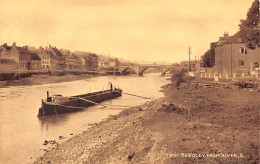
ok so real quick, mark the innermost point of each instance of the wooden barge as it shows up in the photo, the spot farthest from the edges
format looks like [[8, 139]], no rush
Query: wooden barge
[[58, 104]]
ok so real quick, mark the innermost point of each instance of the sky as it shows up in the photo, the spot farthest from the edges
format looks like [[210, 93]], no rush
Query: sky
[[135, 30]]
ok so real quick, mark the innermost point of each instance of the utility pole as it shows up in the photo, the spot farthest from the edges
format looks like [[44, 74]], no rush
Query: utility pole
[[231, 62], [195, 64], [189, 60]]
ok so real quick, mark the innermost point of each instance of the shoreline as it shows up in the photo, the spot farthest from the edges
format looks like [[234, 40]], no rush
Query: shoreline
[[197, 117], [44, 79]]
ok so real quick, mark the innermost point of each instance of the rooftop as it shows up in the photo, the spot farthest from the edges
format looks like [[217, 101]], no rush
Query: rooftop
[[236, 38], [7, 47], [23, 50], [8, 61], [35, 56]]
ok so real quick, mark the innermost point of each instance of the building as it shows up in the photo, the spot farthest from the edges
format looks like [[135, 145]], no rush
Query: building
[[44, 56], [15, 57], [113, 62], [72, 61], [35, 62], [102, 61], [77, 61], [82, 58], [5, 51], [69, 59], [8, 65], [57, 60], [232, 56], [91, 61], [20, 55]]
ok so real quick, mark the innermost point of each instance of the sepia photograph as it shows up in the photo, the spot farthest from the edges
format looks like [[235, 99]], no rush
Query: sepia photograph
[[129, 81]]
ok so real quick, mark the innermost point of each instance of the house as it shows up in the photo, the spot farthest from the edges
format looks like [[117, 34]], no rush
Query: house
[[19, 58], [72, 61], [82, 58], [20, 55], [102, 61], [69, 59], [91, 61], [57, 60], [77, 62], [8, 65], [232, 56], [5, 51], [44, 56], [113, 62], [35, 62]]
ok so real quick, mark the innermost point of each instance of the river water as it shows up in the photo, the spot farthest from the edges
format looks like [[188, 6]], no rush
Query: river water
[[22, 133]]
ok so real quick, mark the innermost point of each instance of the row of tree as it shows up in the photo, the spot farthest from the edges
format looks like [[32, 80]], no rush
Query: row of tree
[[249, 29]]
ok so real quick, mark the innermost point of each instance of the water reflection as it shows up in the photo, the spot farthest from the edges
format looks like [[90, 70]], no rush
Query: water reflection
[[52, 120]]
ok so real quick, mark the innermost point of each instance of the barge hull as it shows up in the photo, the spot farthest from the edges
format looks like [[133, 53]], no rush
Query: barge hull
[[77, 103]]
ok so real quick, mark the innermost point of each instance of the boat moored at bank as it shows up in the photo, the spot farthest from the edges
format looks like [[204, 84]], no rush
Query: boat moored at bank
[[57, 104]]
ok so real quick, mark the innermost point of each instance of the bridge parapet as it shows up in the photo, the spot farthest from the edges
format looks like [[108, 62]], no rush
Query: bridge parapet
[[139, 69]]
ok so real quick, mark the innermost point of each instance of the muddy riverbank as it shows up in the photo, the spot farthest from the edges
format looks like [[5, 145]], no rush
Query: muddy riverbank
[[44, 79], [196, 122]]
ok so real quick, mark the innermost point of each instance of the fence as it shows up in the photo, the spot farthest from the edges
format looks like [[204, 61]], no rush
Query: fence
[[225, 75]]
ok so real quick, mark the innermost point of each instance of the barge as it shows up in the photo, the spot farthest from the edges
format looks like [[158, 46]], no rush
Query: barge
[[57, 104]]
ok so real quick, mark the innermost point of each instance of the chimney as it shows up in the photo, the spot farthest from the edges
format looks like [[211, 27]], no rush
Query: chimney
[[40, 49], [5, 44], [226, 34], [25, 46], [14, 44], [49, 45]]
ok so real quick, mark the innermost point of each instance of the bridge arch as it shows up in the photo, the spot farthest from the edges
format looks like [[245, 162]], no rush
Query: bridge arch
[[142, 70], [165, 71], [127, 68]]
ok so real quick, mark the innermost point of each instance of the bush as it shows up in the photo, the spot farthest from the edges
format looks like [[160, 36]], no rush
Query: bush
[[178, 78], [247, 84]]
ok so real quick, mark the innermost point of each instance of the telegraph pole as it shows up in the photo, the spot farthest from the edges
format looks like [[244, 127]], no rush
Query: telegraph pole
[[189, 60], [195, 63], [231, 62]]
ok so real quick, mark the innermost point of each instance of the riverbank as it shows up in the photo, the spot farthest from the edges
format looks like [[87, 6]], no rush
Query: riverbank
[[215, 122], [43, 79]]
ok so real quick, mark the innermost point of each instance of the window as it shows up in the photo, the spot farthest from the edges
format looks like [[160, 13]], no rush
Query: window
[[241, 62], [242, 50]]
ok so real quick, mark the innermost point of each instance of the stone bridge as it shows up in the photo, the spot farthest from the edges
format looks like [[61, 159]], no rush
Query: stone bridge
[[139, 69]]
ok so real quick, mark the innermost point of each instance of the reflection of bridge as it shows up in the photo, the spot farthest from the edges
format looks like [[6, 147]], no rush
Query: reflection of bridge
[[139, 69]]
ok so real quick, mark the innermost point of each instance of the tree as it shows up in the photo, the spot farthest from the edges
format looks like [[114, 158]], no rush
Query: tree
[[250, 27], [209, 56]]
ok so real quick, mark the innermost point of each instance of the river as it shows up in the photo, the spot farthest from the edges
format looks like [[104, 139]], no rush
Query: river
[[22, 133]]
